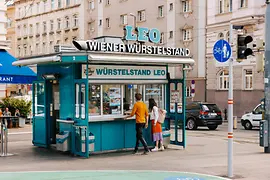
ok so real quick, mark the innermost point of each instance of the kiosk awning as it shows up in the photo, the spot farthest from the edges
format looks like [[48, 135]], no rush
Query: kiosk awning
[[126, 58], [14, 75]]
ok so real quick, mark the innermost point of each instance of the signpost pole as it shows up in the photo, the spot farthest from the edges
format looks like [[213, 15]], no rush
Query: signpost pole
[[230, 113], [267, 70]]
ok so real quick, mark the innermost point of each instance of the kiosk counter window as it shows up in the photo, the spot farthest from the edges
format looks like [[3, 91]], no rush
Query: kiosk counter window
[[115, 100]]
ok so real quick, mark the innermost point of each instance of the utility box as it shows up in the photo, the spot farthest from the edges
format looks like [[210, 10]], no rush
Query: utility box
[[264, 133]]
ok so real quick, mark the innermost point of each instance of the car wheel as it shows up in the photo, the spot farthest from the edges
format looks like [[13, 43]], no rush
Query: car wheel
[[191, 125], [214, 127], [248, 125]]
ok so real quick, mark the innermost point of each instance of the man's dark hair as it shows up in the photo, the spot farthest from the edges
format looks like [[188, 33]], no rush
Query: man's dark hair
[[138, 96]]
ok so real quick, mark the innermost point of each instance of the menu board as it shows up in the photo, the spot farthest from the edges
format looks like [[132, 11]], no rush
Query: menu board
[[152, 91], [115, 96]]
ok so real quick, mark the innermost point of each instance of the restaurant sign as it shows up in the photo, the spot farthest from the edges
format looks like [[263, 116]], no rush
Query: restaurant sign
[[124, 72], [143, 35]]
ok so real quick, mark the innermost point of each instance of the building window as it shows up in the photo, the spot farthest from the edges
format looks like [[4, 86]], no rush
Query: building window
[[67, 2], [58, 24], [100, 22], [44, 48], [76, 1], [92, 5], [25, 30], [228, 36], [9, 23], [59, 4], [171, 6], [52, 4], [58, 42], [37, 28], [123, 19], [30, 50], [186, 6], [161, 38], [160, 11], [107, 2], [19, 30], [25, 50], [188, 91], [51, 46], [224, 80], [171, 34], [107, 22], [76, 20], [44, 26], [91, 27], [19, 12], [37, 8], [44, 5], [141, 15], [51, 22], [31, 9], [243, 3], [248, 84], [19, 51], [224, 6], [187, 33], [67, 22], [31, 29], [220, 36], [37, 48]]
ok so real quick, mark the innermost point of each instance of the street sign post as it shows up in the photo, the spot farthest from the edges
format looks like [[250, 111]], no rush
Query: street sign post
[[222, 52]]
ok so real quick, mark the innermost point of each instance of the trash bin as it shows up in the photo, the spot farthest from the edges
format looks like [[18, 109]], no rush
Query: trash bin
[[21, 122], [62, 141], [166, 137]]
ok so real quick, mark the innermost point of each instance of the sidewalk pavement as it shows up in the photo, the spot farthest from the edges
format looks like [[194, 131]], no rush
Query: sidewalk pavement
[[26, 129]]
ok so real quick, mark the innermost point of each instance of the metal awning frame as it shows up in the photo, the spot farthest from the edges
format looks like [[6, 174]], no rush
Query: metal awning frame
[[108, 58]]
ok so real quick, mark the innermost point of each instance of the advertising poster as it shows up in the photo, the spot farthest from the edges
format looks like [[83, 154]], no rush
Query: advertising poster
[[152, 91], [179, 108], [175, 96], [172, 108], [115, 97]]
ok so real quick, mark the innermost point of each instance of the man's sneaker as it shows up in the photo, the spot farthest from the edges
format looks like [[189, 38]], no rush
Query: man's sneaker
[[162, 148], [155, 149], [135, 152], [145, 152]]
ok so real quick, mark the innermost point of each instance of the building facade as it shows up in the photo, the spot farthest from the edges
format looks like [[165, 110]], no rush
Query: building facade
[[182, 24], [10, 25], [41, 24], [247, 83], [3, 20]]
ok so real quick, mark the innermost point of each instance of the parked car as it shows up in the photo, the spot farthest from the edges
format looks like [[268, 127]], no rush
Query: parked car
[[203, 114], [252, 119]]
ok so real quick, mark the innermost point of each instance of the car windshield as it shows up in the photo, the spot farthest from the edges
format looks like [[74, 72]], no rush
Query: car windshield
[[210, 107]]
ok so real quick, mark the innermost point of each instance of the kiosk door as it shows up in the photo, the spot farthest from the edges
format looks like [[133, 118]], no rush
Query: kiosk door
[[176, 107], [40, 132], [80, 136]]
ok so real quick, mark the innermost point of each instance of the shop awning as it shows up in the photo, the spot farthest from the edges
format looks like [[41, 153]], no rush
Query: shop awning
[[10, 74], [125, 58]]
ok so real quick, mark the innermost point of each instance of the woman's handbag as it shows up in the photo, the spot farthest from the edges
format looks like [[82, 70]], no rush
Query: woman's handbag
[[161, 115]]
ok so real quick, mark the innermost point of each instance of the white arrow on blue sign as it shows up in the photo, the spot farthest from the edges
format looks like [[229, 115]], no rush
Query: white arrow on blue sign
[[222, 51]]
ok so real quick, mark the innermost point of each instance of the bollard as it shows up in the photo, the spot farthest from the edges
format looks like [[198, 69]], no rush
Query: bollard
[[6, 138], [2, 138], [234, 122]]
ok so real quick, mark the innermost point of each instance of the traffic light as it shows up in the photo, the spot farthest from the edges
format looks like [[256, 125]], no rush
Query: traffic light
[[242, 46]]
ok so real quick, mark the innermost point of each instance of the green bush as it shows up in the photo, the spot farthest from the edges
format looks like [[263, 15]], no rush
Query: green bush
[[12, 104]]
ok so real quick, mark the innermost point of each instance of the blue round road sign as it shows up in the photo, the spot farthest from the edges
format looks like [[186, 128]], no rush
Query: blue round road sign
[[222, 51]]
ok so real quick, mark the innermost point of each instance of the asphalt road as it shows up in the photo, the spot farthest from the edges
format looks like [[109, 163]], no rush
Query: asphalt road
[[206, 153]]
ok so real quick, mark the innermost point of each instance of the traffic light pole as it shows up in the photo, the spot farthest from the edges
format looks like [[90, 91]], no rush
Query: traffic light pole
[[267, 70], [230, 111]]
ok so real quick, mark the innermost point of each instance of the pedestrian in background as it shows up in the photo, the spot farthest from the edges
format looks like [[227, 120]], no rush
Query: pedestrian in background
[[156, 126], [17, 113], [141, 112], [6, 112]]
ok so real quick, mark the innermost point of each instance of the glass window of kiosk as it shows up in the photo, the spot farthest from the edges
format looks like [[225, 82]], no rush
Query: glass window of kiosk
[[116, 99]]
